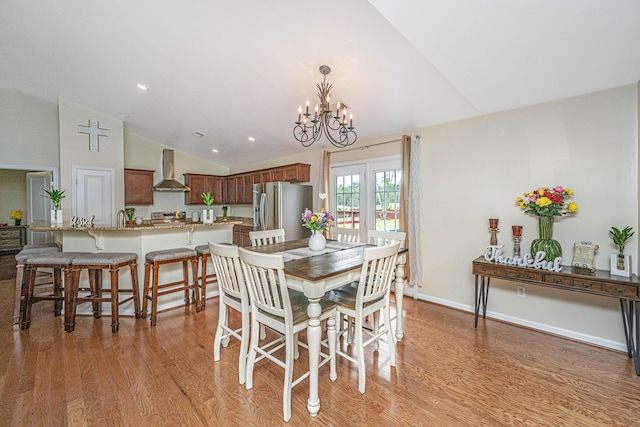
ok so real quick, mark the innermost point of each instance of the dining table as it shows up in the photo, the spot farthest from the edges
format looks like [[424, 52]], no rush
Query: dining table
[[316, 272]]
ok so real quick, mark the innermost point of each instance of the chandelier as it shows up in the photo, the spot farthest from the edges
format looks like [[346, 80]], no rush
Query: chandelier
[[311, 126]]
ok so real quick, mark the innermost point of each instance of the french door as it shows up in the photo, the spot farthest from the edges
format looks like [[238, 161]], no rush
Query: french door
[[366, 195]]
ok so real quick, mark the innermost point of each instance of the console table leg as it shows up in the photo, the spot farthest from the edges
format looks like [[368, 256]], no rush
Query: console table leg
[[481, 298], [631, 322]]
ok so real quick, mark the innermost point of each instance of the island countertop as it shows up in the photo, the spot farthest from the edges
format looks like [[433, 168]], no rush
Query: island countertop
[[47, 226]]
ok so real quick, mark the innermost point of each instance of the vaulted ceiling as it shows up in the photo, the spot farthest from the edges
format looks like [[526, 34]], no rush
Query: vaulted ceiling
[[239, 69]]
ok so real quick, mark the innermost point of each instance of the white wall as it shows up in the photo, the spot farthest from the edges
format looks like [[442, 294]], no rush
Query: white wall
[[474, 169]]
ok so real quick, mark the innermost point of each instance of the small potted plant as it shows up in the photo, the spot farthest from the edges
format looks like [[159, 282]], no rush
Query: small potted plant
[[621, 263], [129, 212], [207, 214], [224, 212], [55, 196], [16, 215]]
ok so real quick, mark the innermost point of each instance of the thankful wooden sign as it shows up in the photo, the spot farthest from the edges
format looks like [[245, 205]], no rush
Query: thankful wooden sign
[[494, 254]]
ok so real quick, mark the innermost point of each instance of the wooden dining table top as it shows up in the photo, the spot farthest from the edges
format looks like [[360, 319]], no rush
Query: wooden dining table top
[[317, 267]]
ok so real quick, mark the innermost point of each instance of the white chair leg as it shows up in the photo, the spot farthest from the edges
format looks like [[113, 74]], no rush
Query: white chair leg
[[263, 331], [391, 337], [296, 352], [251, 359], [331, 338], [376, 329], [288, 375], [222, 319], [350, 327], [244, 346], [362, 376]]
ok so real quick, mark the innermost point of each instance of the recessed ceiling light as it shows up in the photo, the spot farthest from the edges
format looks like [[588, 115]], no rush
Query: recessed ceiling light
[[197, 134], [251, 139], [142, 87], [214, 150]]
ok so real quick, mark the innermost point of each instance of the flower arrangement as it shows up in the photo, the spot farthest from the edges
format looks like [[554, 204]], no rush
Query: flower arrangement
[[316, 221], [547, 201], [16, 214]]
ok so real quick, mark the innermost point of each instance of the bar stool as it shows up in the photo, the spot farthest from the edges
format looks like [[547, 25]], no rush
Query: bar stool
[[59, 261], [42, 277], [204, 255], [153, 261], [94, 264]]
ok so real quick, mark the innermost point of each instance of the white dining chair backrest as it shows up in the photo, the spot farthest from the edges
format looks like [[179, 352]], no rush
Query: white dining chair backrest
[[377, 272], [265, 237], [266, 282], [351, 235], [380, 238], [226, 262]]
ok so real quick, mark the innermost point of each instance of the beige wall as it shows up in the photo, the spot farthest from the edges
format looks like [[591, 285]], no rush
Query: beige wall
[[13, 195], [474, 169]]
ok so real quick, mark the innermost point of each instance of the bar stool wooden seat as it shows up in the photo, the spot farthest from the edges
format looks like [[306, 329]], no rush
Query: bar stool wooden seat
[[58, 261], [154, 289], [42, 277], [204, 279], [94, 264]]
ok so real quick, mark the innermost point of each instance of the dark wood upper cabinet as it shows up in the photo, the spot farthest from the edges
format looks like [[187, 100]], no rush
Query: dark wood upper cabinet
[[199, 183], [138, 187]]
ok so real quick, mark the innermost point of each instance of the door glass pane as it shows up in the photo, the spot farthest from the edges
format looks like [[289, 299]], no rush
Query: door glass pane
[[347, 201], [387, 200]]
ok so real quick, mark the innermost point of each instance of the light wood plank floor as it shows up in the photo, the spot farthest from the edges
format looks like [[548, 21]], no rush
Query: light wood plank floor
[[448, 374]]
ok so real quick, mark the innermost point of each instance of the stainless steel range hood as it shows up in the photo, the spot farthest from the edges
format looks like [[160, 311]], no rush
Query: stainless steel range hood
[[168, 182]]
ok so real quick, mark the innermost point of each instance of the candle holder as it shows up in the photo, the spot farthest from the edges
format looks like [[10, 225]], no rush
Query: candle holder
[[493, 228], [517, 236]]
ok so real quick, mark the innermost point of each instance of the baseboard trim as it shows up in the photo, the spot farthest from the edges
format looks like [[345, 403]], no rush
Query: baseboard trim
[[566, 333]]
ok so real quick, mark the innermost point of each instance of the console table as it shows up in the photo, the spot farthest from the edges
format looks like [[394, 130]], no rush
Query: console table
[[626, 289]]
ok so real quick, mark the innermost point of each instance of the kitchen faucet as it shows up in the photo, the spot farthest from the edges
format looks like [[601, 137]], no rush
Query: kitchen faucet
[[120, 222]]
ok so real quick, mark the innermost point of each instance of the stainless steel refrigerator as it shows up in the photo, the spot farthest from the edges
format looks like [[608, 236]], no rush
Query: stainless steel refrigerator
[[280, 205]]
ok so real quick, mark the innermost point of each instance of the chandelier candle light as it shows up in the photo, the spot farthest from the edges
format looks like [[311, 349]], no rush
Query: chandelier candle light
[[310, 126]]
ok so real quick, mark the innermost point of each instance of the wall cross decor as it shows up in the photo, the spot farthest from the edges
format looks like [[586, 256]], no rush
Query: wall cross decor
[[94, 132]]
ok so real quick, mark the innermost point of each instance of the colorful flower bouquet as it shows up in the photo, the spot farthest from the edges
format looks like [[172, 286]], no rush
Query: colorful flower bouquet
[[16, 214], [547, 201], [316, 221]]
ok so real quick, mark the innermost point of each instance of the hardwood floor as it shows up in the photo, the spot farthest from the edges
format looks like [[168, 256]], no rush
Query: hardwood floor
[[448, 374]]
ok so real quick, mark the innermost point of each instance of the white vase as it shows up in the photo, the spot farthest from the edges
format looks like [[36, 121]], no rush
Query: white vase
[[317, 242], [56, 216], [207, 216], [626, 272]]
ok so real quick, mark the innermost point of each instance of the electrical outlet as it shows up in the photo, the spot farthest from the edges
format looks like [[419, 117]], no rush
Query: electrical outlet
[[520, 292]]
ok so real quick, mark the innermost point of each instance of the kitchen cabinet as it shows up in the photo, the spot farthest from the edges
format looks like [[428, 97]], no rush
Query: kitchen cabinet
[[239, 189], [297, 172], [241, 235], [138, 187], [199, 184], [258, 177]]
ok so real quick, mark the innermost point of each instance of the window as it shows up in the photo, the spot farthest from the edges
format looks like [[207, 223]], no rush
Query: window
[[387, 199]]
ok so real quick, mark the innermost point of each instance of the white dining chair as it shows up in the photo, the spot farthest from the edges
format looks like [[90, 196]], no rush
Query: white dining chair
[[284, 311], [380, 237], [233, 294], [351, 235], [265, 237], [369, 296]]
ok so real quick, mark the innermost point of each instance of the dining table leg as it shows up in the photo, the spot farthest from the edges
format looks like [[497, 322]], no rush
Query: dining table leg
[[399, 294], [314, 335]]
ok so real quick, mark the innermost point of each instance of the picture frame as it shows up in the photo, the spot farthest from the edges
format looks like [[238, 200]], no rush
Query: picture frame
[[583, 256]]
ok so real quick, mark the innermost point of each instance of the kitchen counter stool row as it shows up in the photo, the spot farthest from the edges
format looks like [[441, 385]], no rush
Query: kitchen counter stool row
[[39, 265]]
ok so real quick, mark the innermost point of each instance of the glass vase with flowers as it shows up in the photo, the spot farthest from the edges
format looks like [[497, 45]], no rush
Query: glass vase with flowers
[[547, 203]]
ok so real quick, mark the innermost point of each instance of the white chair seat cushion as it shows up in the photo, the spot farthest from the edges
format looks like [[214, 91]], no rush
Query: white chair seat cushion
[[203, 250], [169, 254], [105, 258]]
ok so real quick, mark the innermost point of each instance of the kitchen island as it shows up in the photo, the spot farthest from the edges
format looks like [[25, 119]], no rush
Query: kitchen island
[[140, 239]]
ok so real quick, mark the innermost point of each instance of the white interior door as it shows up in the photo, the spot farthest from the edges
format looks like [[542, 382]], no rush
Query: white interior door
[[38, 207], [93, 194]]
